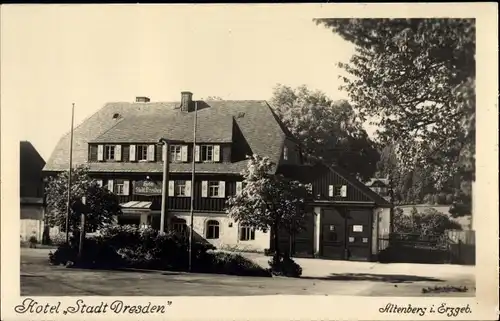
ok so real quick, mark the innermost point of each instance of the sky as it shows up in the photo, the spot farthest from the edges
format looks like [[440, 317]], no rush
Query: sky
[[53, 56]]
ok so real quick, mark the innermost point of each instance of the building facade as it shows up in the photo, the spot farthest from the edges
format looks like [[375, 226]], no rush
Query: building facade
[[120, 145], [31, 192]]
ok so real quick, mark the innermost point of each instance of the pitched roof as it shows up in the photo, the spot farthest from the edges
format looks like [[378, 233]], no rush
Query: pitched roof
[[125, 121], [310, 173]]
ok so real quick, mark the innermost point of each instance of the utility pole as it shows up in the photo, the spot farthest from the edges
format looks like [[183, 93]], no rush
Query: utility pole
[[192, 187], [69, 173]]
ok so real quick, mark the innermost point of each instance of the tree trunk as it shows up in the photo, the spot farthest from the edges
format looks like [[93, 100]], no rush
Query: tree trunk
[[276, 242]]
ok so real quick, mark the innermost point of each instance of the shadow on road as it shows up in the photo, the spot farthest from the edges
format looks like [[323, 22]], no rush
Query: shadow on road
[[389, 278]]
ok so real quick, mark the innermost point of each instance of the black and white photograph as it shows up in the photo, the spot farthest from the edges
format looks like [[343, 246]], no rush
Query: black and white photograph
[[248, 151]]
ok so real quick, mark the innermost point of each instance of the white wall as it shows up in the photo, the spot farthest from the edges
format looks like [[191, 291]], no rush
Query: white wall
[[228, 236]]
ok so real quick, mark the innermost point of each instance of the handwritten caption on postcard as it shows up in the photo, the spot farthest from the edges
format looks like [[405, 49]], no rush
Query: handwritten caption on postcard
[[32, 306], [441, 309]]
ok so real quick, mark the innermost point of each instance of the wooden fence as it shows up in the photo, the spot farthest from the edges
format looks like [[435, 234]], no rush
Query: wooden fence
[[454, 247]]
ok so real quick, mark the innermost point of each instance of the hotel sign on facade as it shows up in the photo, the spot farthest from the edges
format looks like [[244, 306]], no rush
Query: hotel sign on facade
[[147, 188]]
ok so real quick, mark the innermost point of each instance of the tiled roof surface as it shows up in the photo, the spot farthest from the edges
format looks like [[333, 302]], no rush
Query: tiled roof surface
[[254, 118], [209, 168]]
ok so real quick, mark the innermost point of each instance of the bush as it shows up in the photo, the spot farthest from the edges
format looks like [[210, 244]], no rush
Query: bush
[[96, 254], [285, 266], [128, 246], [230, 263], [58, 239], [430, 222]]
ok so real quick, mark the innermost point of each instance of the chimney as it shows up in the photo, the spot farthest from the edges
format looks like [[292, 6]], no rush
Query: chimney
[[186, 101], [142, 99]]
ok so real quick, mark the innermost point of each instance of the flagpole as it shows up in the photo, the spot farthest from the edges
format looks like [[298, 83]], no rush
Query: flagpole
[[192, 187], [69, 173]]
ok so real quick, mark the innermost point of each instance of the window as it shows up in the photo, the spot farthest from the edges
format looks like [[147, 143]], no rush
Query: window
[[118, 187], [247, 233], [285, 153], [213, 188], [180, 188], [212, 229], [175, 153], [109, 152], [179, 226], [207, 153], [142, 152]]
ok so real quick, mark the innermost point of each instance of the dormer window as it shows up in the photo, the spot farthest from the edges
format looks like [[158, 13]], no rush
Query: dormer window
[[207, 153], [109, 152], [142, 152], [175, 153]]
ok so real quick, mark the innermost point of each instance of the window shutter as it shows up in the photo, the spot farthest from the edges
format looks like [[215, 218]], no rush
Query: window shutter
[[330, 190], [222, 189], [239, 187], [110, 185], [100, 152], [132, 153], [151, 153], [184, 153], [343, 191], [216, 153], [188, 188], [126, 187], [99, 182], [170, 188], [197, 153], [118, 152], [204, 189], [163, 153]]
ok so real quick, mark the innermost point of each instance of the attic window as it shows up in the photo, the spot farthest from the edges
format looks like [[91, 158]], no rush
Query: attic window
[[116, 115]]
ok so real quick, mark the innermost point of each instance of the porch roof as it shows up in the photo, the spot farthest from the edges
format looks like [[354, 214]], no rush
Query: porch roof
[[136, 205]]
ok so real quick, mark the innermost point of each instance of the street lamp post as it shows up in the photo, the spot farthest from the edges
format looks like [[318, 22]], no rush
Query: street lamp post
[[82, 226], [164, 187], [192, 186]]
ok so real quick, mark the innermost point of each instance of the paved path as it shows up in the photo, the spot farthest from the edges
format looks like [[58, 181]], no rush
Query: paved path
[[39, 278]]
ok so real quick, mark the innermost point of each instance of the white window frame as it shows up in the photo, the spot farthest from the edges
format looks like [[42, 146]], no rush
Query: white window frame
[[142, 153], [176, 153], [213, 190], [247, 233], [207, 148], [180, 188], [212, 225], [109, 150], [119, 187]]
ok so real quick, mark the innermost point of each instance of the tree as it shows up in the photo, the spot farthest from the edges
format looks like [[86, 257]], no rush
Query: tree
[[430, 222], [102, 205], [213, 98], [268, 201], [328, 130], [416, 78]]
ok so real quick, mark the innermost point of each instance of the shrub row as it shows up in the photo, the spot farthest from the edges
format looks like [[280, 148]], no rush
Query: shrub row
[[128, 246]]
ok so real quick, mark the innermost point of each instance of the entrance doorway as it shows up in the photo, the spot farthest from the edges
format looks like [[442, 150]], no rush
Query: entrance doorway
[[345, 234]]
